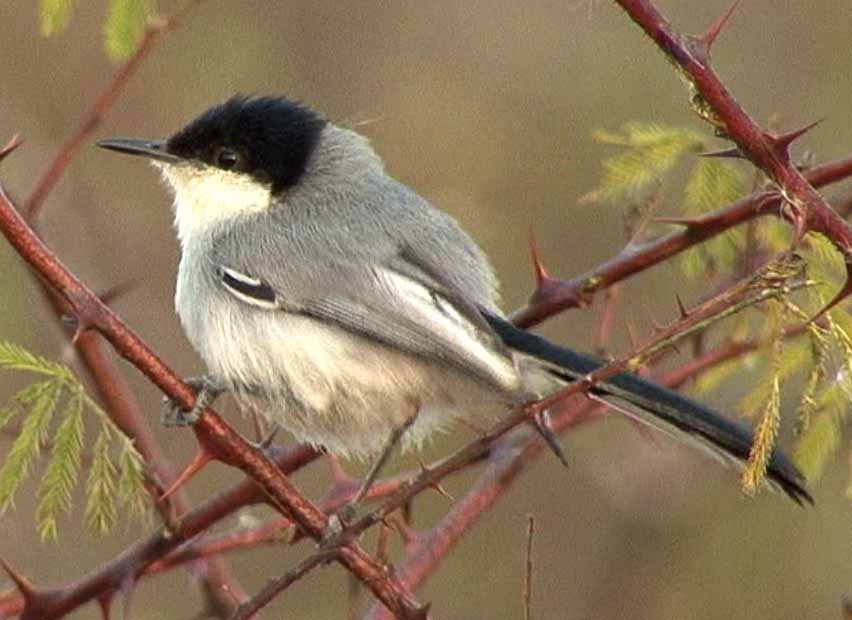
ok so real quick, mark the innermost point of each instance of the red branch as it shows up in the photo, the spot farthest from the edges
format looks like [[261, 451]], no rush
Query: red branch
[[153, 34], [214, 435], [766, 150], [563, 294]]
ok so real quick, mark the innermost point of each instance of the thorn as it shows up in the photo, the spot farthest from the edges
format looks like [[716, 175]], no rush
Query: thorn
[[841, 295], [408, 534], [435, 485], [781, 142], [541, 422], [423, 611], [24, 585], [681, 307], [80, 328], [709, 36], [687, 222], [201, 460], [541, 274], [105, 603], [127, 589], [114, 292], [732, 153], [13, 143]]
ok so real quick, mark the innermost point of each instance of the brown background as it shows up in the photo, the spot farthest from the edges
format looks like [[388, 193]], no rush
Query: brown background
[[486, 108]]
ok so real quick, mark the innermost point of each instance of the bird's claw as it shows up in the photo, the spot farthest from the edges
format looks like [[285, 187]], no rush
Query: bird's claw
[[207, 390]]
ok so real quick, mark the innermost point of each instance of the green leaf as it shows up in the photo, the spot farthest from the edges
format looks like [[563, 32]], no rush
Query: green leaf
[[131, 480], [819, 444], [28, 443], [60, 478], [6, 415], [54, 16], [100, 505], [15, 357], [649, 151], [766, 431], [826, 265], [793, 358], [125, 25], [712, 184]]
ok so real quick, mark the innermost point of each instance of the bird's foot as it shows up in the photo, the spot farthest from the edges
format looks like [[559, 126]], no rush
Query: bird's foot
[[207, 390]]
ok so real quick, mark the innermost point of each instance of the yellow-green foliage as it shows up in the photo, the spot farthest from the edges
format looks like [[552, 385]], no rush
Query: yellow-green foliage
[[125, 24], [712, 184], [60, 394], [815, 359], [54, 15], [647, 152], [123, 27]]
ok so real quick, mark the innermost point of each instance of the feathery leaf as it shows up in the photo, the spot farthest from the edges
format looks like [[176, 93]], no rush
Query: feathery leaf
[[765, 435], [125, 24], [28, 443], [54, 15], [649, 151], [101, 512], [15, 357], [60, 478], [131, 480]]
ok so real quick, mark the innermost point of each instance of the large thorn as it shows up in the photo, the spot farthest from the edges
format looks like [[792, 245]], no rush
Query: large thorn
[[733, 152], [686, 222], [709, 36], [105, 605], [542, 276], [841, 295], [683, 311], [201, 460], [13, 143], [109, 295], [24, 585], [780, 143]]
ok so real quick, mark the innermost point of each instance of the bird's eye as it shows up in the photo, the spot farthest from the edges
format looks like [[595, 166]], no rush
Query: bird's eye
[[227, 159]]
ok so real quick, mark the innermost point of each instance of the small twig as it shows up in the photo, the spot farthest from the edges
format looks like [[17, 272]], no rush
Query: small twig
[[606, 324], [153, 34], [528, 568], [279, 584]]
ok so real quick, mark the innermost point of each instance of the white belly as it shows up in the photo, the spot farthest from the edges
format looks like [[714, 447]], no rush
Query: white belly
[[327, 386]]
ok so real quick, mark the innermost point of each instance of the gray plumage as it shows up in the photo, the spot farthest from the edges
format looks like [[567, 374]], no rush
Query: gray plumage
[[351, 348], [340, 303]]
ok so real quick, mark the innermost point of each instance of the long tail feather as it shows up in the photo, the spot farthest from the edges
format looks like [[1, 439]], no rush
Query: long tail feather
[[724, 436]]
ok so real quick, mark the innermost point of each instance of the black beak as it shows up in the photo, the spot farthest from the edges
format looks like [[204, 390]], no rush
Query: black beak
[[153, 149]]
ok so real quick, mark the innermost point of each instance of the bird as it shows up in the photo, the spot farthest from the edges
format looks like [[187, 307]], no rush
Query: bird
[[346, 308]]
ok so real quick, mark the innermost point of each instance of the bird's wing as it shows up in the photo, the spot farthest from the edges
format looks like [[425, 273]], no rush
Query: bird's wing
[[394, 303]]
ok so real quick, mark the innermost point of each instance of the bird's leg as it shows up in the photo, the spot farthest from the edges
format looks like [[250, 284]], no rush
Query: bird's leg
[[207, 390], [348, 510]]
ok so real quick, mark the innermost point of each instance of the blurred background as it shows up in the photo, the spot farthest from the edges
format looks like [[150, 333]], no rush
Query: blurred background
[[487, 109]]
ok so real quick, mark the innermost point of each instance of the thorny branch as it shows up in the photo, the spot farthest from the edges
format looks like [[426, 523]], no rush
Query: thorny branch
[[796, 200], [553, 295], [803, 206], [216, 438], [213, 576]]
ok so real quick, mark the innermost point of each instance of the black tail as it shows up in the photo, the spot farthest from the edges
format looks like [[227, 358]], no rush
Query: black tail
[[717, 432]]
